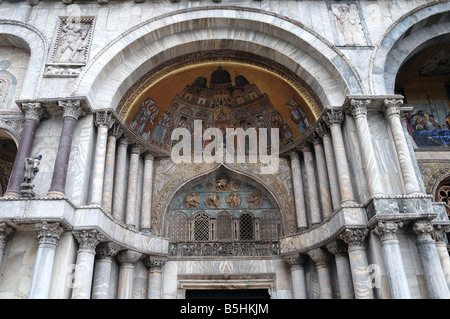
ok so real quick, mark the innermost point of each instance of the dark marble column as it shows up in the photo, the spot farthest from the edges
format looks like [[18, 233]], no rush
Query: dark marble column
[[72, 111], [33, 114]]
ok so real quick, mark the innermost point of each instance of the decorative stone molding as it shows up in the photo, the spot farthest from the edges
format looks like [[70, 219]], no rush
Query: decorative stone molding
[[136, 149], [225, 248], [354, 237], [392, 107], [387, 230], [423, 230], [294, 259], [104, 119], [107, 250], [334, 117], [33, 111], [155, 263], [88, 239], [439, 233], [49, 233], [5, 231], [123, 141], [322, 130], [14, 126], [359, 107], [337, 247], [319, 256], [116, 130], [149, 156], [294, 155], [72, 108], [128, 256]]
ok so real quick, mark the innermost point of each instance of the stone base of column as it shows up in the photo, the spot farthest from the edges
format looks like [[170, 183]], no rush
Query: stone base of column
[[55, 194]]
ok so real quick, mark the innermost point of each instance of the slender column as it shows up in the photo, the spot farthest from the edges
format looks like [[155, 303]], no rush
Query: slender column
[[392, 112], [398, 282], [441, 246], [320, 257], [120, 180], [295, 262], [84, 268], [324, 188], [48, 239], [359, 112], [102, 272], [154, 265], [33, 114], [431, 264], [108, 181], [72, 111], [339, 249], [331, 165], [334, 119], [5, 232], [312, 186], [104, 121], [130, 218], [299, 197], [354, 238], [146, 215], [127, 260]]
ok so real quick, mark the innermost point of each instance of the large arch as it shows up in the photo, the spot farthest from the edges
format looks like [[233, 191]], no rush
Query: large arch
[[413, 32], [126, 59]]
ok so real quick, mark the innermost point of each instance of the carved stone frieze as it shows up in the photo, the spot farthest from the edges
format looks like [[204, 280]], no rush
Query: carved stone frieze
[[225, 248]]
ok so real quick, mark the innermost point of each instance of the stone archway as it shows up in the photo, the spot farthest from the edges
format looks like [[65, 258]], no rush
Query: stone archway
[[8, 151]]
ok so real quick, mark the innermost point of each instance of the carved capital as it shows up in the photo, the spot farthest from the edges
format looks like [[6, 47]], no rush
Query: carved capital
[[315, 139], [155, 263], [116, 131], [337, 247], [423, 230], [88, 239], [49, 233], [387, 230], [319, 256], [71, 108], [294, 156], [136, 149], [322, 130], [354, 237], [123, 141], [334, 117], [294, 260], [359, 107], [128, 256], [5, 232], [33, 111], [305, 148], [107, 250], [392, 107], [439, 233], [104, 119], [149, 156]]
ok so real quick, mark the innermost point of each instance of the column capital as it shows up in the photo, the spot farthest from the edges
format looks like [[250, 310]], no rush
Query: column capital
[[116, 131], [107, 250], [155, 263], [5, 231], [439, 232], [294, 259], [337, 247], [123, 141], [315, 139], [387, 230], [293, 155], [322, 130], [305, 147], [49, 233], [33, 111], [334, 116], [149, 156], [354, 236], [136, 149], [423, 230], [71, 108], [104, 119], [359, 107], [319, 255], [392, 107], [128, 256], [88, 239]]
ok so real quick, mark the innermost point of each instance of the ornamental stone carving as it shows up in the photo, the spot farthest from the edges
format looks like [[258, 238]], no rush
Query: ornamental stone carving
[[72, 108], [392, 107], [319, 256], [49, 233], [334, 117], [212, 200], [116, 131], [423, 230], [359, 107], [128, 256], [104, 119], [155, 263], [439, 233], [354, 237], [225, 248], [233, 200], [222, 184], [254, 199], [5, 231], [294, 259], [88, 239], [31, 169], [191, 200], [33, 111], [387, 230], [107, 250], [337, 247]]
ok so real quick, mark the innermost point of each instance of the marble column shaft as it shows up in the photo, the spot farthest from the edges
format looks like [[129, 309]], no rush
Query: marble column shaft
[[33, 114], [127, 260], [48, 239], [322, 173], [84, 268], [130, 217], [441, 247], [431, 264], [108, 181], [398, 281], [295, 262], [299, 195], [102, 273], [120, 183], [104, 123], [362, 285], [147, 193], [313, 197], [72, 111], [339, 249], [320, 257], [154, 265], [373, 176], [392, 111], [334, 119]]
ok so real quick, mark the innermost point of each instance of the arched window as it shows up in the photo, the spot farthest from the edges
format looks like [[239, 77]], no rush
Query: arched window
[[443, 193], [268, 227], [246, 227], [201, 227], [224, 226], [179, 227]]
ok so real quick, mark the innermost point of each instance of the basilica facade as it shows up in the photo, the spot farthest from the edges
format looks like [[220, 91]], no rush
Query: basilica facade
[[351, 102]]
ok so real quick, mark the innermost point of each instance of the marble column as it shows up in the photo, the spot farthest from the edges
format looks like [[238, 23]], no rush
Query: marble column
[[154, 265], [120, 183], [392, 112], [339, 249], [102, 273], [108, 180], [34, 112], [334, 119], [398, 282], [441, 247], [147, 193], [320, 257], [133, 173], [72, 111], [295, 262], [359, 111], [127, 259], [322, 173], [84, 268], [431, 264], [103, 121], [362, 285], [5, 232], [313, 197], [323, 132], [299, 195], [48, 235]]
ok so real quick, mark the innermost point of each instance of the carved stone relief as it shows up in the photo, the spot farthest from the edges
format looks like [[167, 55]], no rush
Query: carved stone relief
[[349, 27], [233, 200]]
